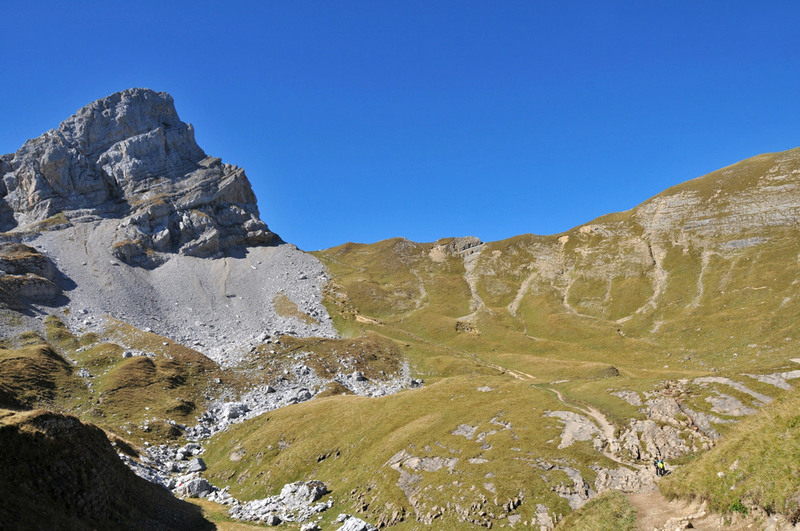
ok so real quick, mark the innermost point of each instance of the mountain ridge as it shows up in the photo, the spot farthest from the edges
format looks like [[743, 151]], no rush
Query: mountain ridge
[[697, 185]]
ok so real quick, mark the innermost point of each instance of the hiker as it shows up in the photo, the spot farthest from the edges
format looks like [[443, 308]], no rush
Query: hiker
[[661, 469]]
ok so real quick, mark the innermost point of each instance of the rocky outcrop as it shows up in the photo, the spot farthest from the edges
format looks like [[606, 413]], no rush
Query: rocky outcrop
[[26, 274], [129, 156], [576, 428], [295, 503], [351, 523]]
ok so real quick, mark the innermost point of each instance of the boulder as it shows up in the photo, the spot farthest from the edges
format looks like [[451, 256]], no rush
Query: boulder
[[194, 488], [196, 465], [356, 524], [303, 492], [234, 410], [272, 519], [295, 503]]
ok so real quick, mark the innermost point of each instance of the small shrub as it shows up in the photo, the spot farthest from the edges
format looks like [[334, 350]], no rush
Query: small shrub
[[738, 507]]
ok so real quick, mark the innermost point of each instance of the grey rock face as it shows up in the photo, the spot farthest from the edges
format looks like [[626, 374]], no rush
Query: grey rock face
[[295, 503], [26, 273], [129, 156], [576, 428], [196, 465], [194, 488], [625, 479], [351, 523]]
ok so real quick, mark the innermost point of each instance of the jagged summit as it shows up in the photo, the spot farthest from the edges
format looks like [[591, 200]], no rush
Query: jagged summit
[[130, 156]]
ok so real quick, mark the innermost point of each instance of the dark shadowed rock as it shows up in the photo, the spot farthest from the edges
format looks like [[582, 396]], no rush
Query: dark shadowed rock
[[58, 473]]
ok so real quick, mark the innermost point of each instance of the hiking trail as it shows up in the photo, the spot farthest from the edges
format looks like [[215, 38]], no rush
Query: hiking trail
[[655, 513]]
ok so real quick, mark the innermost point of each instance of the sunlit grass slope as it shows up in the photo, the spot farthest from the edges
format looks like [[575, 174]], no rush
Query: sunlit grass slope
[[699, 278], [611, 511], [756, 466], [482, 453]]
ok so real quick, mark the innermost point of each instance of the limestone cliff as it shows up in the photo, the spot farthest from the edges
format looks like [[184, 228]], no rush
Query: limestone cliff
[[129, 156]]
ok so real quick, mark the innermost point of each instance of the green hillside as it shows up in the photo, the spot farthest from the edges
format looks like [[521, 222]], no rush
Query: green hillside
[[688, 299]]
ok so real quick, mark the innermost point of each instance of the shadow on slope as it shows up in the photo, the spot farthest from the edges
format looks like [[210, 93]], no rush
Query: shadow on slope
[[58, 473]]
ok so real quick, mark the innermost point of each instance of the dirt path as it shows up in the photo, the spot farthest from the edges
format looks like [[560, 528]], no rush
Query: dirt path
[[652, 510], [655, 513], [605, 426], [519, 375]]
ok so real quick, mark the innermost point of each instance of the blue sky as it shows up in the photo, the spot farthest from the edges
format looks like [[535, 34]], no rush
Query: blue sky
[[360, 121]]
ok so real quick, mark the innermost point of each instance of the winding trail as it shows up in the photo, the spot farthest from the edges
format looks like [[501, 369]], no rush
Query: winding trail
[[519, 375], [605, 426]]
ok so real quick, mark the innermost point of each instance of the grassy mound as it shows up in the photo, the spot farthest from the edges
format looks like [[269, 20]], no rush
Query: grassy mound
[[372, 355], [140, 397], [143, 395], [35, 375]]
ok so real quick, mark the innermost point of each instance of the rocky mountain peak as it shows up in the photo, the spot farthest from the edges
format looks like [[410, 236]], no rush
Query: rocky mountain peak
[[126, 114], [129, 156]]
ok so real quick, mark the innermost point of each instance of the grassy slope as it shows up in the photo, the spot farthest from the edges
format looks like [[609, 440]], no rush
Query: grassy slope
[[592, 295], [570, 306], [346, 442], [757, 465], [611, 511]]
